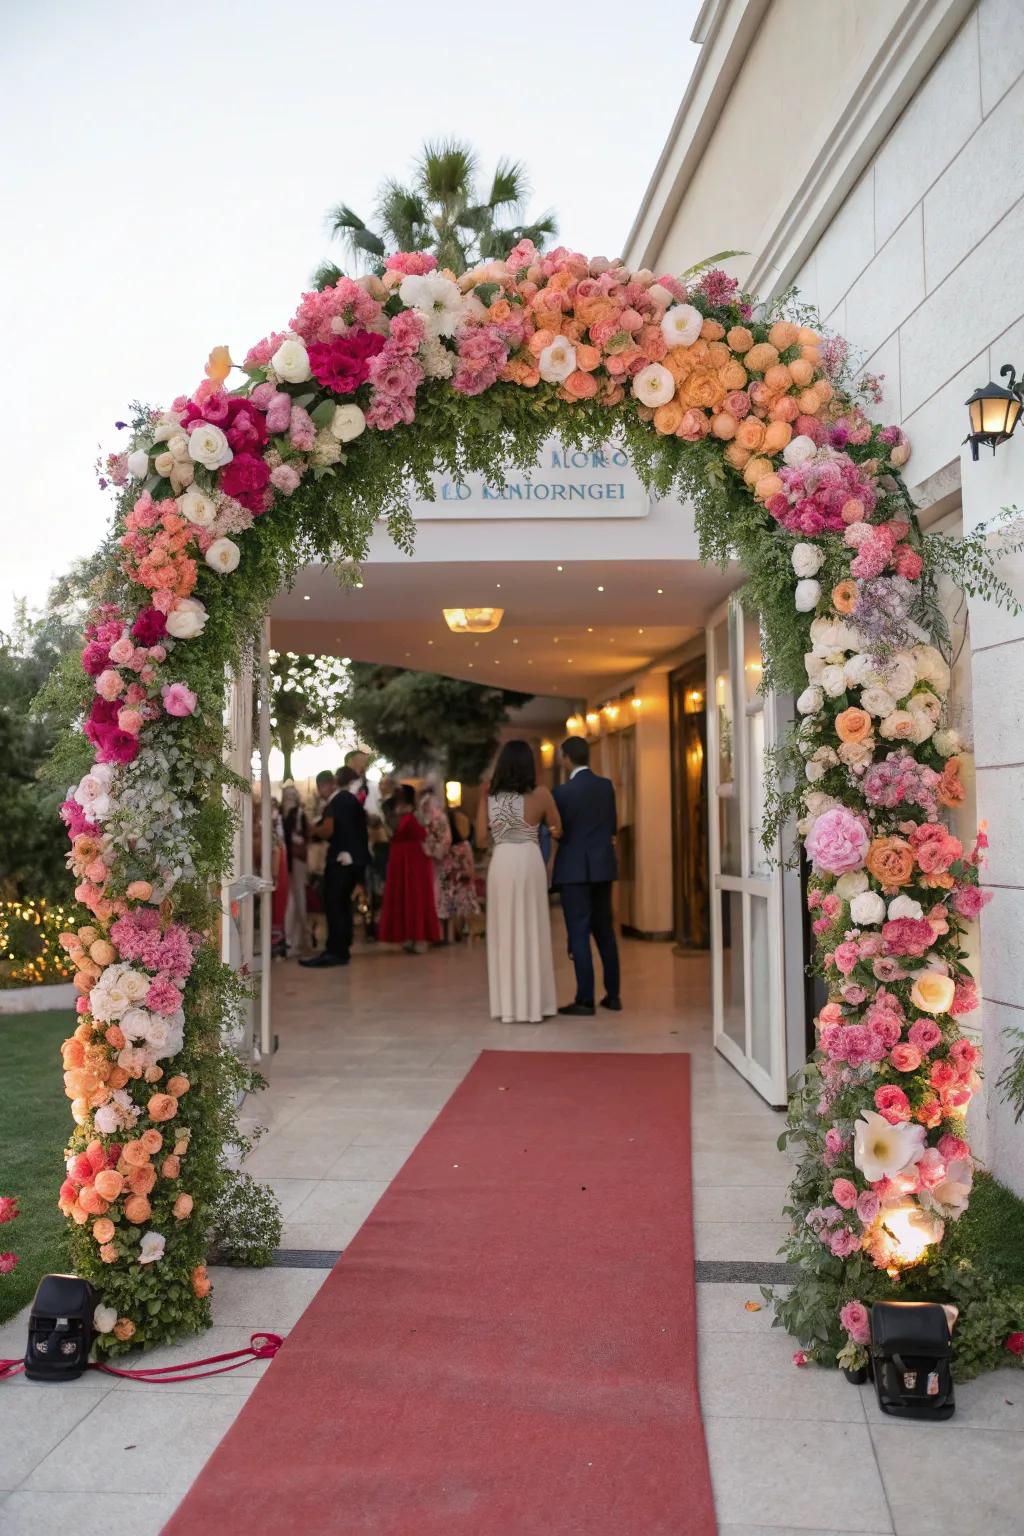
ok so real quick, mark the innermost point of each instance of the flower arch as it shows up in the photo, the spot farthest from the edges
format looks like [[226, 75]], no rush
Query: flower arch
[[375, 384]]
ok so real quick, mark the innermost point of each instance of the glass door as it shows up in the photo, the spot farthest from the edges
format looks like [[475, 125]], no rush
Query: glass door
[[746, 890]]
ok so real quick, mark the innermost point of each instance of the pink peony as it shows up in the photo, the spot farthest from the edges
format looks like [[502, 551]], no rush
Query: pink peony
[[844, 1243], [856, 1320], [245, 479], [178, 699], [163, 996], [838, 841], [418, 263]]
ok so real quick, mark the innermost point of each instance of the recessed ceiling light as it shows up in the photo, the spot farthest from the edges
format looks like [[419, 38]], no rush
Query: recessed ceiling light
[[515, 642], [569, 660], [639, 631], [430, 642], [590, 629], [559, 567], [661, 591], [498, 585], [471, 664], [306, 597], [600, 589]]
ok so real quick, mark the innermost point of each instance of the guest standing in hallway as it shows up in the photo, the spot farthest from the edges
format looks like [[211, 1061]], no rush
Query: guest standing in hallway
[[409, 913], [343, 827], [585, 868]]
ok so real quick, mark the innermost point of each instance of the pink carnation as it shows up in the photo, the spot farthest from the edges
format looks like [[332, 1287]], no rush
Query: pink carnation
[[970, 899], [925, 1034], [908, 936], [412, 263], [163, 996]]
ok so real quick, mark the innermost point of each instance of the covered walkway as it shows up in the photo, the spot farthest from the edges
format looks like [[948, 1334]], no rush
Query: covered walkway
[[366, 1059]]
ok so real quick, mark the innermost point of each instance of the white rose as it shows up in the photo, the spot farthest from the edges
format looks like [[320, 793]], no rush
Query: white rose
[[135, 1024], [798, 450], [814, 666], [151, 1249], [867, 908], [291, 361], [807, 596], [806, 559], [557, 361], [810, 701], [163, 464], [104, 1318], [931, 668], [904, 906], [857, 754], [186, 619], [851, 884], [924, 726], [833, 680], [197, 507], [168, 425], [107, 1120], [177, 447], [681, 325], [654, 385], [135, 984], [946, 743], [878, 702], [208, 446], [347, 423], [898, 725], [223, 555], [138, 464]]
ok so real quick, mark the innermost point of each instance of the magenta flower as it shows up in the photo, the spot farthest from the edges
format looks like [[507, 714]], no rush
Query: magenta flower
[[178, 699], [343, 364]]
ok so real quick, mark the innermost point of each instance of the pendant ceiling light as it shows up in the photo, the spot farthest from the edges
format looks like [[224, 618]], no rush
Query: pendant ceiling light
[[473, 621]]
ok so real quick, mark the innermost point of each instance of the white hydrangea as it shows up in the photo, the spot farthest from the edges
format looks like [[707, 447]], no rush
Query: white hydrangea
[[947, 743]]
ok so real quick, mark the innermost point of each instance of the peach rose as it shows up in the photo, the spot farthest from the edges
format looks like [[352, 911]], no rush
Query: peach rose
[[580, 385], [750, 433], [844, 596], [932, 992], [139, 890], [776, 435], [824, 391], [152, 1140], [115, 1037], [182, 1207], [761, 357], [137, 1209], [79, 1215], [73, 1054], [92, 1202], [141, 1180], [806, 337], [756, 468], [109, 1183], [802, 372], [102, 952], [737, 456], [162, 1106], [778, 377], [853, 724], [667, 420], [724, 426], [103, 1230], [108, 1253], [891, 861], [712, 330], [809, 401], [784, 334], [181, 1145], [740, 339], [84, 1032], [588, 358], [679, 362], [733, 375], [718, 355], [170, 1167], [124, 1329], [134, 1154], [702, 388], [693, 426], [201, 1282]]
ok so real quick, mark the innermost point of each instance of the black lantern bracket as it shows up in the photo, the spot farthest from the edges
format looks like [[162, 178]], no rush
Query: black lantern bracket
[[994, 411]]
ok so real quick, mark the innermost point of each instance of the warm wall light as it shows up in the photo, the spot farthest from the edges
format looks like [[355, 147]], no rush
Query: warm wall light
[[547, 750], [473, 621], [610, 711], [453, 793], [637, 704], [575, 725], [911, 1229], [994, 412], [593, 719]]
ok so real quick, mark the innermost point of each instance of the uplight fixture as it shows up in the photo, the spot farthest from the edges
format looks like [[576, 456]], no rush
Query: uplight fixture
[[994, 412], [547, 748], [473, 621], [453, 793]]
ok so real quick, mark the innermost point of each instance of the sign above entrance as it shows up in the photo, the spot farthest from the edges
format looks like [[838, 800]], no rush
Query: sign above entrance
[[567, 482]]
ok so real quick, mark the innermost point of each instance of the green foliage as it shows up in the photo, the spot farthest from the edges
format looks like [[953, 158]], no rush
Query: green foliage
[[307, 694], [30, 954], [245, 1222], [420, 719]]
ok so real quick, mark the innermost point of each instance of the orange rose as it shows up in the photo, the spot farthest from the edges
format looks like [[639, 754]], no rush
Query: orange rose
[[783, 334], [141, 1180], [802, 372], [109, 1183], [162, 1106], [170, 1167], [750, 433], [853, 725], [201, 1282], [702, 389], [733, 375], [806, 337], [824, 391], [182, 1207], [137, 1209], [84, 1032], [102, 953], [711, 330], [588, 358], [723, 426], [139, 890], [580, 385], [539, 340], [152, 1140], [844, 596], [767, 485], [91, 1201], [79, 1215], [761, 356], [740, 339], [891, 861], [135, 1154], [115, 1037], [119, 1077], [667, 418], [778, 377], [103, 1230], [811, 355], [124, 1329], [153, 1074], [718, 354], [777, 434]]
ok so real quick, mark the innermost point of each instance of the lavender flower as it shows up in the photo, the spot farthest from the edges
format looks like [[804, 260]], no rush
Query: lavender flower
[[883, 612]]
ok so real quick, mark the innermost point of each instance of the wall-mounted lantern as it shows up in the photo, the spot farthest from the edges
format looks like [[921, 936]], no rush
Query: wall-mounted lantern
[[994, 412]]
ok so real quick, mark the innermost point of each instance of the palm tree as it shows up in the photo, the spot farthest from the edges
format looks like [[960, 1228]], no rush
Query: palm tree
[[441, 210]]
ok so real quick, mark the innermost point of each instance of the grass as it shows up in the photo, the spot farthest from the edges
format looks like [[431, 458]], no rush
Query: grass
[[34, 1126], [992, 1230]]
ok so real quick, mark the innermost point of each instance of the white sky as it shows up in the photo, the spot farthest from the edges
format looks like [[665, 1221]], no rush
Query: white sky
[[166, 170]]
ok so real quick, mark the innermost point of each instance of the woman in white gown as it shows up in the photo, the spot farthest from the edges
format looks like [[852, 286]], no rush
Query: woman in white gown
[[512, 809]]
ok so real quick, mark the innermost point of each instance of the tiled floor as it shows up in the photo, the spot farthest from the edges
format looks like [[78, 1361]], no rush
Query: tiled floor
[[367, 1058]]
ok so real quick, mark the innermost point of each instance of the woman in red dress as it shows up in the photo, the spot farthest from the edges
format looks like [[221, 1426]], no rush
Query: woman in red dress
[[409, 912]]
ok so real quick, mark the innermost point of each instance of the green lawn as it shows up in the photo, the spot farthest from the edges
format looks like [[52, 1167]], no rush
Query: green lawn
[[992, 1230], [35, 1122]]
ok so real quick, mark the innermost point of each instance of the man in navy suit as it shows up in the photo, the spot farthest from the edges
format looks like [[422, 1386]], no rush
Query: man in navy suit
[[585, 867]]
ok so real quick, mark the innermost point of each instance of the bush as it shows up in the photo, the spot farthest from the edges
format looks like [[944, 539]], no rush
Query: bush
[[30, 952], [246, 1223]]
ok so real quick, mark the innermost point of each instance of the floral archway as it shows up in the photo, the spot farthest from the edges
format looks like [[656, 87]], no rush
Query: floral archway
[[374, 385]]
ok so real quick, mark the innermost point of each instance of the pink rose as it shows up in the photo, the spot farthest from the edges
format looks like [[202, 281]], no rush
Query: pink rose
[[178, 699], [855, 1319], [122, 651], [844, 1193], [130, 720], [285, 478], [868, 1206], [905, 1057], [838, 841], [892, 1103], [694, 425], [109, 685]]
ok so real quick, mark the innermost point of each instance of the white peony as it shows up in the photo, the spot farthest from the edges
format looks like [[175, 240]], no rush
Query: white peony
[[681, 325], [135, 983], [107, 1120], [197, 507], [807, 596], [851, 884], [557, 361], [923, 727], [151, 1249], [898, 725], [950, 1196], [208, 446], [814, 666], [878, 702], [904, 906], [135, 1024], [347, 423], [291, 361], [947, 743], [881, 1150], [931, 668], [223, 555], [104, 1318], [138, 464], [807, 559], [861, 669], [437, 299], [654, 385], [798, 450], [867, 909], [927, 702], [833, 680], [898, 673], [93, 791], [810, 701], [833, 635], [186, 619]]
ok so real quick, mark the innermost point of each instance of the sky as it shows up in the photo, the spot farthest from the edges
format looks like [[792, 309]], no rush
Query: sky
[[167, 169]]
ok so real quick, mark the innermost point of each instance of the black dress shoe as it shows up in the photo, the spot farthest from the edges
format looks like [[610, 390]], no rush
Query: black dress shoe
[[578, 1010], [323, 959], [613, 1004]]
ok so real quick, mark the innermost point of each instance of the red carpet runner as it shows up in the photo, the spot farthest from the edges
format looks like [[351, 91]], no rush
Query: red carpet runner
[[508, 1347]]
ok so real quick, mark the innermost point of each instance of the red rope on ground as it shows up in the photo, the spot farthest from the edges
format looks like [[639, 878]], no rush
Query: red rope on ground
[[261, 1346]]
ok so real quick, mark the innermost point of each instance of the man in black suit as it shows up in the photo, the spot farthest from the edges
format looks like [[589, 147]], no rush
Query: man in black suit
[[343, 827], [585, 867]]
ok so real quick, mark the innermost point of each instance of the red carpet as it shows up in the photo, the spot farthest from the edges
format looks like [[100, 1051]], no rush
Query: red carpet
[[508, 1347]]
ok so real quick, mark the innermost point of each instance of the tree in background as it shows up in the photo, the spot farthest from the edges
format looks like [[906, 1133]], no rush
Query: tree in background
[[441, 210], [421, 720], [308, 701]]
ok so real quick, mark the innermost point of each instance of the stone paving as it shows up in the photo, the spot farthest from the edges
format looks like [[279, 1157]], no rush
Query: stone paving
[[367, 1058]]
